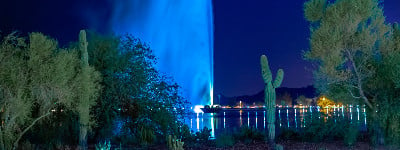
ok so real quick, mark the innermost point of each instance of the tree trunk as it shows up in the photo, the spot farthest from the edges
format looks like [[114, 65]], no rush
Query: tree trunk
[[82, 138], [1, 139], [378, 137]]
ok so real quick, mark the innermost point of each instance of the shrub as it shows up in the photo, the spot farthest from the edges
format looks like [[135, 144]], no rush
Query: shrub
[[249, 134], [198, 139], [103, 146], [288, 134], [225, 140], [350, 137]]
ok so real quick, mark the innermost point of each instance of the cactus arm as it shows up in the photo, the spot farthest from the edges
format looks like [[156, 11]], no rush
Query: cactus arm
[[83, 44], [266, 72], [278, 78]]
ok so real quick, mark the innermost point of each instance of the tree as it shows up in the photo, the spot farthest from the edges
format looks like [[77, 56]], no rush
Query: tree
[[349, 43], [386, 88], [134, 93], [35, 77], [324, 102], [286, 99], [104, 57], [304, 100]]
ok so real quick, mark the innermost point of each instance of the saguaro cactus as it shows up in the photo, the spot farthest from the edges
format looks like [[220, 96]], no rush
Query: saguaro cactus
[[270, 96], [83, 107]]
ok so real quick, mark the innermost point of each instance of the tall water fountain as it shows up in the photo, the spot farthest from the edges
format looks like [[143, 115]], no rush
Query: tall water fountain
[[181, 34]]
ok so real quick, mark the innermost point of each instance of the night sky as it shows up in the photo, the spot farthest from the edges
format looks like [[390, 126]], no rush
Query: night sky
[[243, 31]]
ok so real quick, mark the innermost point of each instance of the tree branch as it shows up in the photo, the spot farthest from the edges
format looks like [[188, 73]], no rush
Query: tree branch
[[30, 126], [359, 82], [351, 93], [27, 128]]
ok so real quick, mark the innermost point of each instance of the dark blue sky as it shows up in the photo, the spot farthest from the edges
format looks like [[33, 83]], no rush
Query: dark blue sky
[[243, 31]]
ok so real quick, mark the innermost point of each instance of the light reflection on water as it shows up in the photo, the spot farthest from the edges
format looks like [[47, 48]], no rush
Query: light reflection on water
[[231, 119]]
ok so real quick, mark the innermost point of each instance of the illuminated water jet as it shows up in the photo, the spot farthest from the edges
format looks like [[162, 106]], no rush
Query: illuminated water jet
[[181, 34]]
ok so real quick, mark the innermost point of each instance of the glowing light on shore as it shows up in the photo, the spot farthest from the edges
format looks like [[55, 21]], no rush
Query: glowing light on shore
[[197, 109]]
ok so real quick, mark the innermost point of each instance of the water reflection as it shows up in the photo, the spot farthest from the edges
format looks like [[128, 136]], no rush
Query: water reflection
[[241, 122], [198, 122], [287, 117], [248, 119], [294, 118], [264, 118], [256, 119], [212, 126], [224, 120], [280, 121]]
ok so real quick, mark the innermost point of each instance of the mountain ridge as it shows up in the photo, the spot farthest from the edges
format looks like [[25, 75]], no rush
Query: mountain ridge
[[283, 93]]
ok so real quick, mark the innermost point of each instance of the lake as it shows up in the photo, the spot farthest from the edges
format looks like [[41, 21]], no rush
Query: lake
[[286, 117]]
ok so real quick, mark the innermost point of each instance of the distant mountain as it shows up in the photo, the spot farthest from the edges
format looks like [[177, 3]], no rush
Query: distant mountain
[[281, 93]]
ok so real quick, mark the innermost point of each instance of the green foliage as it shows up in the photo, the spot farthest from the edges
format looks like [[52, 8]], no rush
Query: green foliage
[[321, 129], [203, 136], [105, 58], [288, 134], [87, 89], [350, 136], [106, 77], [249, 135], [270, 95], [103, 146], [314, 10], [174, 144], [318, 130], [224, 140], [133, 92], [146, 135], [278, 147], [394, 58], [59, 129], [357, 57], [343, 45], [196, 140], [35, 78]]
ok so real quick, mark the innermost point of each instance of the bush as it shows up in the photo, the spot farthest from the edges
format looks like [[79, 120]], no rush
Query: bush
[[225, 140], [350, 137], [198, 139], [248, 135], [319, 130], [288, 134], [103, 146]]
